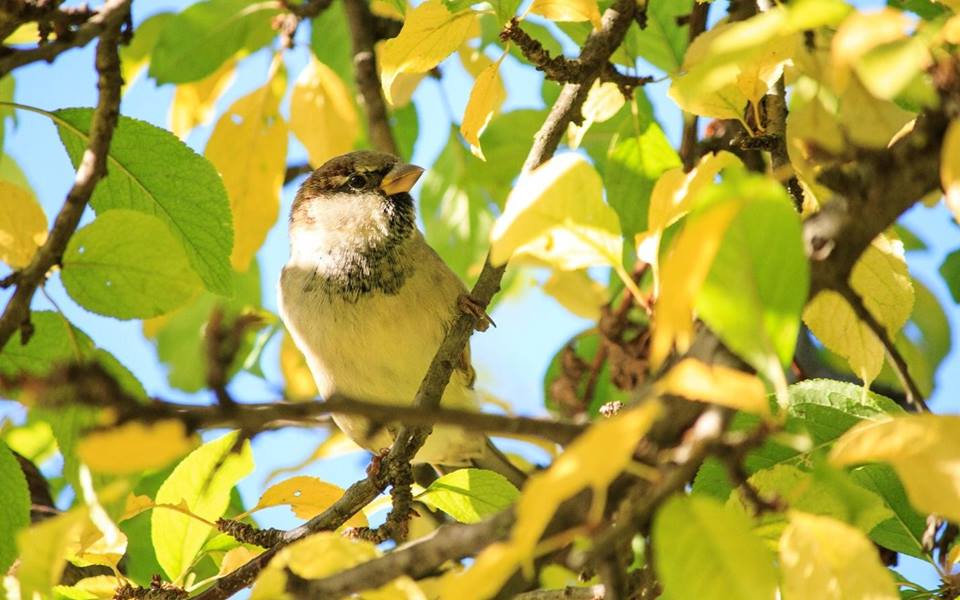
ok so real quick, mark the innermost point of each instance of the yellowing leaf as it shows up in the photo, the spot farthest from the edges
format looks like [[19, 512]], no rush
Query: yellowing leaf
[[950, 168], [603, 102], [695, 380], [307, 497], [28, 33], [322, 113], [193, 103], [869, 121], [43, 549], [236, 558], [592, 460], [556, 215], [135, 447], [683, 274], [136, 504], [824, 558], [568, 10], [249, 148], [98, 587], [430, 33], [486, 98], [861, 32], [23, 225], [924, 450], [100, 542], [675, 191], [296, 373], [880, 277], [577, 292], [474, 61]]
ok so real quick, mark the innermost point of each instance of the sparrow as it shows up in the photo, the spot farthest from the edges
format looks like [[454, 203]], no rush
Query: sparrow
[[367, 301]]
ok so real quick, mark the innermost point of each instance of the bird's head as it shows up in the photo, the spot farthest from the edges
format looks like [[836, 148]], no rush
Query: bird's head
[[356, 202]]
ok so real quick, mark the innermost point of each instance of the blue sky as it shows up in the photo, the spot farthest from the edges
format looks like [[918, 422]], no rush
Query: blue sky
[[510, 359]]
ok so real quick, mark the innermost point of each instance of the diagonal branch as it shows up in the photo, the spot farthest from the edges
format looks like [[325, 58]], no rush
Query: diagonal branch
[[92, 165], [362, 35]]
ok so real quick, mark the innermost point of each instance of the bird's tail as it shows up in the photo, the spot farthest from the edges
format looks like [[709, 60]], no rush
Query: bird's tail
[[494, 460]]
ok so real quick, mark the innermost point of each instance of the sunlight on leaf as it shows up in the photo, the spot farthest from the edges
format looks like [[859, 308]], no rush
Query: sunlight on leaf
[[23, 225], [468, 495], [135, 447], [603, 102], [15, 497], [293, 366], [568, 10], [695, 380], [43, 551], [193, 103], [322, 113], [577, 292], [307, 497], [486, 98]]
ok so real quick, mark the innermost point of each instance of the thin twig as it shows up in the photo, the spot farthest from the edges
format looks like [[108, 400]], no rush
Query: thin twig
[[93, 163], [368, 81]]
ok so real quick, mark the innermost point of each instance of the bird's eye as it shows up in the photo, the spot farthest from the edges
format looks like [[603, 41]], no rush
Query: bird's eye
[[357, 182]]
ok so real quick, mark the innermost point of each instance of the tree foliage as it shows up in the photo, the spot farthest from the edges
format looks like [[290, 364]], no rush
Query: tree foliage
[[744, 418]]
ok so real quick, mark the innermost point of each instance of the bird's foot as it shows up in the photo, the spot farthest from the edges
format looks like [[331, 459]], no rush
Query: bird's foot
[[470, 306], [373, 469]]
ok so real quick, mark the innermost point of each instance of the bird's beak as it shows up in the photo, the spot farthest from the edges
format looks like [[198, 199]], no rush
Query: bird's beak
[[400, 178]]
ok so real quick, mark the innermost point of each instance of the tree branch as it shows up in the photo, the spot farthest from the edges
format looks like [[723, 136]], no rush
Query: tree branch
[[92, 165], [688, 140], [111, 15], [368, 81]]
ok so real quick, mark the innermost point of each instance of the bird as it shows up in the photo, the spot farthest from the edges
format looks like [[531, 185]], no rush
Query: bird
[[368, 301]]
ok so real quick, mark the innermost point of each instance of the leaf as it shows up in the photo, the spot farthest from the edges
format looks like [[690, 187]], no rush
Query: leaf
[[568, 10], [15, 500], [565, 398], [249, 148], [824, 558], [950, 169], [322, 113], [126, 264], [193, 204], [603, 102], [633, 167], [486, 98], [98, 587], [904, 531], [577, 292], [236, 558], [869, 121], [43, 551], [469, 495], [193, 103], [23, 225], [430, 33], [592, 460], [758, 283], [721, 385], [135, 55], [330, 41], [203, 481], [556, 215], [707, 551], [922, 449], [880, 277], [950, 271], [663, 42], [201, 38], [307, 497], [296, 373], [861, 32], [134, 447]]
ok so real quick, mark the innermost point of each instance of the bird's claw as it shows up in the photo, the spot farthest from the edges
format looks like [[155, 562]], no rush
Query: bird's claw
[[470, 306]]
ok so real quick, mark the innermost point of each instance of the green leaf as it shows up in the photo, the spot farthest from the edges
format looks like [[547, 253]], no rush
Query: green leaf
[[903, 532], [406, 126], [950, 271], [180, 335], [203, 481], [330, 42], [707, 551], [7, 89], [202, 37], [151, 171], [663, 42], [127, 264], [135, 55], [14, 506], [468, 495], [758, 282], [632, 168], [923, 8], [141, 559]]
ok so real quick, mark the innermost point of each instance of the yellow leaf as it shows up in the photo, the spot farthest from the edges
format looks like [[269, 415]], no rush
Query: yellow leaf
[[322, 113], [695, 380], [296, 373], [28, 33], [577, 292], [135, 446], [758, 75], [556, 215], [307, 497], [683, 274], [568, 10], [950, 168], [100, 542], [869, 121], [592, 460], [827, 559], [950, 33], [486, 98], [23, 225], [924, 450], [474, 61], [249, 148], [43, 550], [99, 587], [236, 558], [430, 33], [135, 505], [675, 192], [881, 278], [603, 102], [193, 103], [858, 34]]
